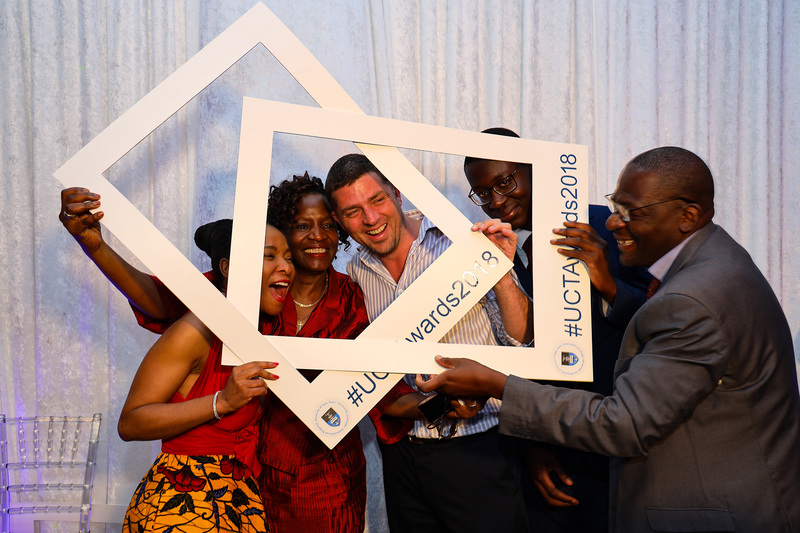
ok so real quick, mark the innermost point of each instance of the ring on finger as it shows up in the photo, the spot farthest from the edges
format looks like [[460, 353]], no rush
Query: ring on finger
[[67, 215], [473, 404]]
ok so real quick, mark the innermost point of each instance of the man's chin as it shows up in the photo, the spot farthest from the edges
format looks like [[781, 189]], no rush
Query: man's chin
[[627, 260], [634, 261]]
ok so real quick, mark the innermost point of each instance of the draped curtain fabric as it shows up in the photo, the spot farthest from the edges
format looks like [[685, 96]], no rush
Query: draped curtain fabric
[[717, 77]]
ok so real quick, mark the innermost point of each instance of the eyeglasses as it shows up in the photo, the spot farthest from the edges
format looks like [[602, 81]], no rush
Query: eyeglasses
[[625, 212], [503, 187]]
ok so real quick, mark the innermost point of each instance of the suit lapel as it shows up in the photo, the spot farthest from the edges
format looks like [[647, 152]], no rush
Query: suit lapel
[[689, 250]]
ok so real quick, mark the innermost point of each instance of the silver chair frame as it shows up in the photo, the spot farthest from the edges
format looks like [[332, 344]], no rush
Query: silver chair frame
[[47, 444]]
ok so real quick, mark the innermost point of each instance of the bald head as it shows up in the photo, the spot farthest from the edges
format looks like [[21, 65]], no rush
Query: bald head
[[681, 174]]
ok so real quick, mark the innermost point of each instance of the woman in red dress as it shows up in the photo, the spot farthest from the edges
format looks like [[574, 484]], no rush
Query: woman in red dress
[[205, 414], [307, 487]]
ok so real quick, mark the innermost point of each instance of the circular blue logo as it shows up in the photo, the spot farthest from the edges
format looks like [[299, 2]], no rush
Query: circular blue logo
[[568, 358], [331, 417]]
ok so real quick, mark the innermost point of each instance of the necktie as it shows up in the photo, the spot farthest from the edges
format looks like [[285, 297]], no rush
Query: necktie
[[655, 283]]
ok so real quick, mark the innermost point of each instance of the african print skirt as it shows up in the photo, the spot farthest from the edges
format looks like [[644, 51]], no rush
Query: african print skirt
[[197, 493]]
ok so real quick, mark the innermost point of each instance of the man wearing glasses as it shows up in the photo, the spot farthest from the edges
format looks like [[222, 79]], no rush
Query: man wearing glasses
[[704, 419], [575, 498]]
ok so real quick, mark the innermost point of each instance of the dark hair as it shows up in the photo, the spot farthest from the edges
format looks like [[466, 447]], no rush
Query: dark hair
[[468, 160], [284, 197], [214, 239], [346, 170], [681, 173]]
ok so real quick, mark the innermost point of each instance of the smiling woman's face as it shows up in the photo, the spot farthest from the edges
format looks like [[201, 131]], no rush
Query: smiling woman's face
[[277, 273], [313, 239]]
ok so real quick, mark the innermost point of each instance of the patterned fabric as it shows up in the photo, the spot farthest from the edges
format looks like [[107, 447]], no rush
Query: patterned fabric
[[204, 478], [194, 494], [481, 324], [655, 283]]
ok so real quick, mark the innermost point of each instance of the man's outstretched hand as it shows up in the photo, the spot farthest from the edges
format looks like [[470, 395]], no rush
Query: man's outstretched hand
[[464, 377]]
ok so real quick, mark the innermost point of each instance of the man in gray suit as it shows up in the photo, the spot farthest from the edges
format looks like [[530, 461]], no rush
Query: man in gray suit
[[704, 420]]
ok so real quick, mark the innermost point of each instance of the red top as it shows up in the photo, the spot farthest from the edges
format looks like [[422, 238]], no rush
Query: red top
[[235, 434], [340, 315], [287, 443]]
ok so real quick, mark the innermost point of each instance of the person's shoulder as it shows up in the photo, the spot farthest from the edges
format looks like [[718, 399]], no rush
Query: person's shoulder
[[344, 285], [598, 214], [428, 229], [710, 266], [187, 339], [189, 324], [415, 214]]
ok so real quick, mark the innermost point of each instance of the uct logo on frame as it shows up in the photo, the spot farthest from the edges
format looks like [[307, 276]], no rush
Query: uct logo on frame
[[568, 359], [331, 417]]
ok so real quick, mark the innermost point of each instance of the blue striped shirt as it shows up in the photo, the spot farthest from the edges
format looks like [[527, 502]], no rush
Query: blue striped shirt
[[481, 325]]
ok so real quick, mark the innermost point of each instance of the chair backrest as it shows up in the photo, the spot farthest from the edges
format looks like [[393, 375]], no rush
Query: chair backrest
[[47, 467]]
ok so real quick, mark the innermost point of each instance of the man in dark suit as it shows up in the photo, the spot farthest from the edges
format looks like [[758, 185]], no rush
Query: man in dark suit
[[705, 416], [567, 490]]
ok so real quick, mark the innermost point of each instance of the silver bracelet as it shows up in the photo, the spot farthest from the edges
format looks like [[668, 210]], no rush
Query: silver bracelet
[[214, 405]]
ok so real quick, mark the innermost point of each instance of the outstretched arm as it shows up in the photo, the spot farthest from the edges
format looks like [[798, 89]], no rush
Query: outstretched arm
[[176, 356], [464, 378], [84, 226], [516, 309]]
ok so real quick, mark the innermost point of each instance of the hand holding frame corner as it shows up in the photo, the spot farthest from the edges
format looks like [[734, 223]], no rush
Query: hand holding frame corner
[[464, 378]]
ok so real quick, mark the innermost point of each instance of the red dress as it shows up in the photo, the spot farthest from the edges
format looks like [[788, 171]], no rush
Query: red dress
[[305, 486]]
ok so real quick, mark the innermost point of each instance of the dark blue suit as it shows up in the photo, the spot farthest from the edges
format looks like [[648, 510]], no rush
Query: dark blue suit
[[590, 471]]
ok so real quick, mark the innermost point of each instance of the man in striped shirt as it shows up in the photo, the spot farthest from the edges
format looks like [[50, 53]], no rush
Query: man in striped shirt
[[426, 477]]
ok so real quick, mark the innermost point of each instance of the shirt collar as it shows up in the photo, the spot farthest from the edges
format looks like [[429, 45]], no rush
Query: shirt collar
[[522, 236], [660, 268]]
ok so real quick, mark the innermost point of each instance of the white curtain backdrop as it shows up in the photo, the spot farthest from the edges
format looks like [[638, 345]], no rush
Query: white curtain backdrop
[[717, 77]]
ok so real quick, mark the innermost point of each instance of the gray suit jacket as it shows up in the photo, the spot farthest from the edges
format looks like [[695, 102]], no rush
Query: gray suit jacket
[[705, 416]]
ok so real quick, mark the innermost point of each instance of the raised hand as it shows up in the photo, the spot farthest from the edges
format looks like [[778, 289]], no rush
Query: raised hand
[[500, 233], [75, 215], [582, 242]]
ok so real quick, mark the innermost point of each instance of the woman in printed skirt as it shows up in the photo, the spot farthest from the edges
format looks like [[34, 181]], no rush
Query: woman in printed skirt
[[205, 414]]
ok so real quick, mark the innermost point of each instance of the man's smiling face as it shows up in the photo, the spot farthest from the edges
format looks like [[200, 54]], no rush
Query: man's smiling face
[[652, 231], [514, 207], [369, 209]]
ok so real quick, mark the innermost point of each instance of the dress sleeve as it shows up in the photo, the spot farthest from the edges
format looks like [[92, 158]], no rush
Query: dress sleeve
[[175, 309], [390, 429]]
